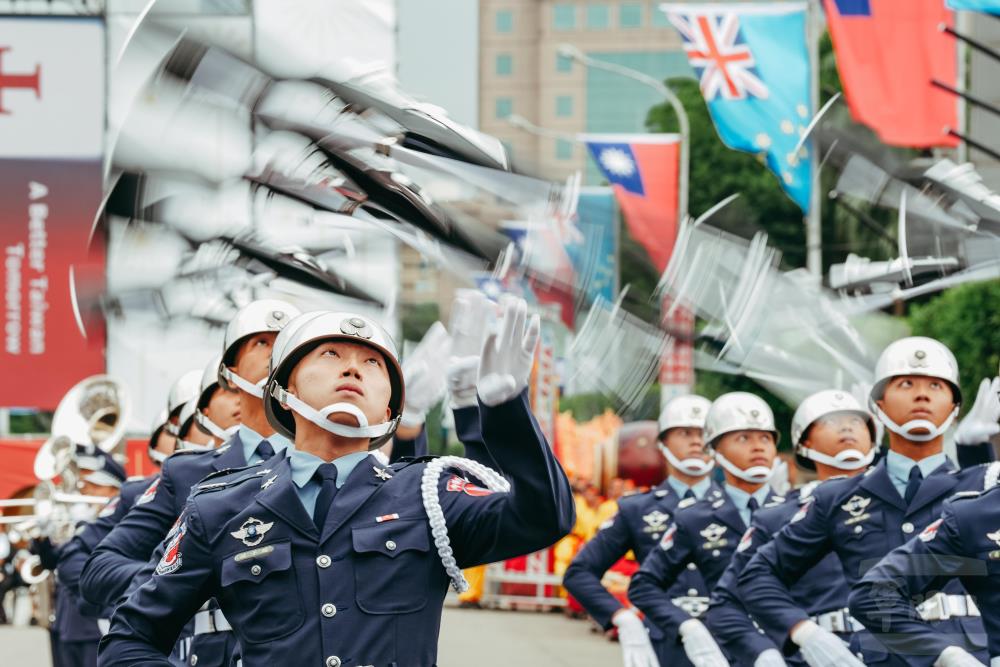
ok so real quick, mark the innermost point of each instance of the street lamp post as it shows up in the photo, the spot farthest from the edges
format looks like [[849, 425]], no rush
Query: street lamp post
[[572, 52]]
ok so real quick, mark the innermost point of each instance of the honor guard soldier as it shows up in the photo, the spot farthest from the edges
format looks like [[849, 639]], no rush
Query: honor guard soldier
[[640, 522], [75, 631], [916, 397], [125, 551], [331, 558], [740, 428], [834, 436]]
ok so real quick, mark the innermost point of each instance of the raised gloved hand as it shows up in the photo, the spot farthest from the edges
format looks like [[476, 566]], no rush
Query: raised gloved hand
[[983, 419], [637, 651], [954, 656], [822, 648], [425, 383], [472, 317], [699, 645], [770, 658], [505, 364]]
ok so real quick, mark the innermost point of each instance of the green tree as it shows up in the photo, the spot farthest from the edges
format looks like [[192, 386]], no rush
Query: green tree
[[967, 320]]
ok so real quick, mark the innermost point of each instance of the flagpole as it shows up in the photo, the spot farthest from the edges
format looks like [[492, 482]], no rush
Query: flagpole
[[814, 230]]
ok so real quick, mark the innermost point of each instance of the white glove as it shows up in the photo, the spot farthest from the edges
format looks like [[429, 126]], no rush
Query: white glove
[[425, 383], [981, 422], [699, 645], [472, 316], [637, 651], [505, 365], [770, 658], [822, 648], [953, 656]]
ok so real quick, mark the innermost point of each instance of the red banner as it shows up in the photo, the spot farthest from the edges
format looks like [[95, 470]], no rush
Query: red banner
[[51, 142]]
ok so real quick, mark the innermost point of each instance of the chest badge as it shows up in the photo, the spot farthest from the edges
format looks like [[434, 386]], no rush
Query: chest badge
[[252, 532], [713, 536], [382, 473], [655, 521], [994, 536], [856, 505]]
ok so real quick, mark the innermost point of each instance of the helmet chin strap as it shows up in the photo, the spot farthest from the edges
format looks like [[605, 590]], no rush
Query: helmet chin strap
[[907, 429], [247, 386], [847, 459], [207, 424], [188, 446], [320, 417], [695, 467], [753, 474], [158, 457]]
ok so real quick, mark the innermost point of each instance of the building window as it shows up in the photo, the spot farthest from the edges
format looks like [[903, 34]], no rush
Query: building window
[[563, 63], [504, 64], [564, 106], [598, 17], [660, 19], [504, 107], [505, 21], [630, 15], [563, 17], [564, 149]]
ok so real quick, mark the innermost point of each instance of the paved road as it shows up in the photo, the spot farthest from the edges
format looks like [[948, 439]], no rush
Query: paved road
[[482, 638]]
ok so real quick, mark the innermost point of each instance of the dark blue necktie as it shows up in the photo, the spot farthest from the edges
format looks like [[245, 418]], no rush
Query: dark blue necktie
[[264, 450], [689, 494], [916, 477], [752, 505], [326, 475]]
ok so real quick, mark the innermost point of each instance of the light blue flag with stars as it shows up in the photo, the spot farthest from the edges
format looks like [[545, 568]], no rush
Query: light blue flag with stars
[[753, 66], [988, 6]]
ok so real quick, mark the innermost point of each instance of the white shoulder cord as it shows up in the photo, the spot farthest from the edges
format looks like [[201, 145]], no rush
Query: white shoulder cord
[[432, 505], [992, 476]]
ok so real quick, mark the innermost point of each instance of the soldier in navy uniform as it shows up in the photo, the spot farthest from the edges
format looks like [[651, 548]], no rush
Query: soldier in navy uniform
[[637, 527], [740, 428], [124, 553], [74, 631], [915, 397], [330, 558], [834, 436]]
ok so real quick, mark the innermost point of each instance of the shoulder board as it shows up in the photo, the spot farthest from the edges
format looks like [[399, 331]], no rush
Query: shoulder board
[[405, 461], [233, 480], [775, 501], [219, 451], [135, 478], [184, 452], [963, 495], [686, 502]]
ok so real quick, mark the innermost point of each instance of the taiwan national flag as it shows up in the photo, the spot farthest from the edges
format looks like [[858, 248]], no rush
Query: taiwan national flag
[[642, 170], [753, 67], [888, 54]]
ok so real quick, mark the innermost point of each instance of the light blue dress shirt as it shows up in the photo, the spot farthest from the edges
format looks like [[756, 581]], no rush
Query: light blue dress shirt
[[698, 488], [741, 499], [251, 438], [899, 466], [304, 467]]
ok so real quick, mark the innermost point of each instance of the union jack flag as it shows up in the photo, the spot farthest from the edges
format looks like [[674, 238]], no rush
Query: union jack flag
[[719, 54]]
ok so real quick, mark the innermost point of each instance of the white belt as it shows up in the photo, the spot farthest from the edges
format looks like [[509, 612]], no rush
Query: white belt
[[207, 622], [695, 606], [942, 607], [839, 620]]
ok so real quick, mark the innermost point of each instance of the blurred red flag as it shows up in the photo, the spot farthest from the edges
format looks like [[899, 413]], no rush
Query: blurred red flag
[[888, 52]]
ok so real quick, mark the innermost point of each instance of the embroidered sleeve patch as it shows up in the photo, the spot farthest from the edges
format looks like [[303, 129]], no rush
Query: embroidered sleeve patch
[[803, 511], [458, 485], [149, 493], [930, 532], [746, 540], [109, 509], [667, 541], [171, 560]]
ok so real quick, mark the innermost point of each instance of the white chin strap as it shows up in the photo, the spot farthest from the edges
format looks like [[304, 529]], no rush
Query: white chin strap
[[848, 459], [753, 474], [214, 429], [907, 429], [158, 457], [247, 386], [321, 417], [694, 467], [188, 446]]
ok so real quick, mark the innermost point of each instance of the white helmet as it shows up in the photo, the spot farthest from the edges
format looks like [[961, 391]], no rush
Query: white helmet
[[303, 334], [687, 411], [916, 355], [154, 433], [740, 411], [209, 382], [184, 425], [256, 317], [183, 390], [820, 404]]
